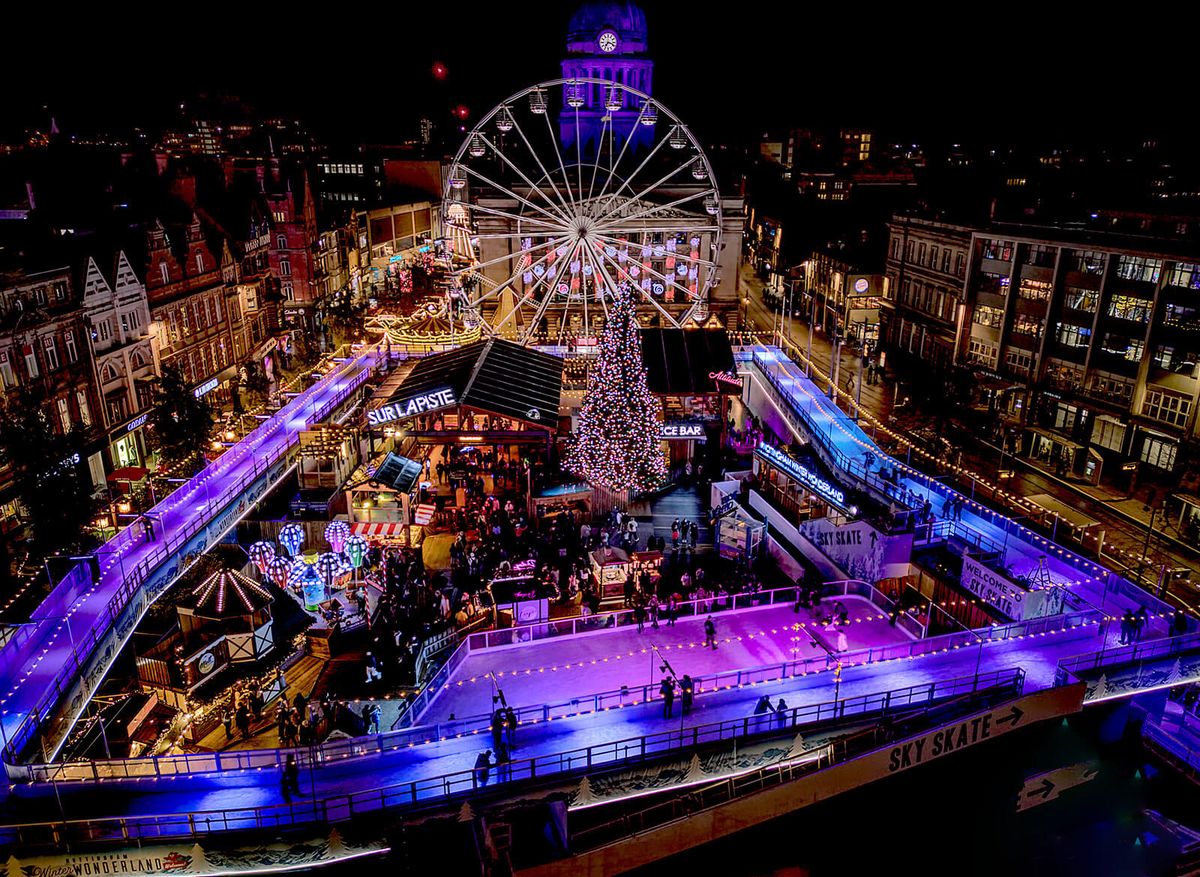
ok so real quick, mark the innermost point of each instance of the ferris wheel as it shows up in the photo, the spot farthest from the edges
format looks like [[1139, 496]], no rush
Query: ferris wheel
[[546, 219]]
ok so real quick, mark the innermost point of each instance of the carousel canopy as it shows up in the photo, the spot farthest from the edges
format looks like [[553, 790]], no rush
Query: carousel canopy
[[679, 362], [227, 594], [493, 375]]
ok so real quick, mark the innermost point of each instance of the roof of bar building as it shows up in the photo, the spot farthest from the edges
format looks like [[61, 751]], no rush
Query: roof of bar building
[[680, 362]]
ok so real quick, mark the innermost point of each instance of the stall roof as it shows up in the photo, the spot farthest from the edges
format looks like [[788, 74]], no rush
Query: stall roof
[[496, 376], [679, 361], [398, 472], [1064, 511]]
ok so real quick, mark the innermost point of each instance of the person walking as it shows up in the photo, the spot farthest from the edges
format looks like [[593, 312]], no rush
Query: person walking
[[687, 693], [289, 781], [372, 667], [376, 715], [497, 729], [639, 615], [243, 720], [483, 767], [672, 610], [653, 607], [510, 727], [781, 712], [710, 634], [667, 689], [227, 721]]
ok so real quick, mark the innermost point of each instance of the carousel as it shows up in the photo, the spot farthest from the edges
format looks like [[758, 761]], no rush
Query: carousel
[[433, 327]]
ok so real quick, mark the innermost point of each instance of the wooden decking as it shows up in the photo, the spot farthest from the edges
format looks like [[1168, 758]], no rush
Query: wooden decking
[[301, 677]]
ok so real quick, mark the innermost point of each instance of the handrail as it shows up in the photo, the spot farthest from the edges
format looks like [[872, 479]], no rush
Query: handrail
[[342, 807], [133, 582], [406, 736], [1155, 649]]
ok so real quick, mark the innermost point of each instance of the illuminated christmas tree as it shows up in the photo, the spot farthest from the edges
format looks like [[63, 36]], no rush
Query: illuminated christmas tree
[[618, 446]]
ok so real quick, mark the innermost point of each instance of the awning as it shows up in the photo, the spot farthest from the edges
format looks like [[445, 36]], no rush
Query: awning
[[1072, 516], [129, 473], [392, 530]]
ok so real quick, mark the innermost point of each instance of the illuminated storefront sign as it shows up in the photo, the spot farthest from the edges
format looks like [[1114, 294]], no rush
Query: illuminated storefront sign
[[803, 474], [136, 422], [682, 429], [421, 404], [207, 387], [726, 378]]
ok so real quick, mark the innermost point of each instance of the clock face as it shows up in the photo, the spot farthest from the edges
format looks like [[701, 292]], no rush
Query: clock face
[[607, 41]]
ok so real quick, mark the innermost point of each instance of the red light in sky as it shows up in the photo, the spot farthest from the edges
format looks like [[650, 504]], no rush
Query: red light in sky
[[461, 111], [439, 70]]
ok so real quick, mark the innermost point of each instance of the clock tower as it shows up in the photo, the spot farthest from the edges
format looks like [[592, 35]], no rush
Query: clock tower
[[607, 41]]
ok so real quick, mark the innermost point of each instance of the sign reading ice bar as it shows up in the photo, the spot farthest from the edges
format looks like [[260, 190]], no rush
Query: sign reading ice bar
[[811, 479], [421, 404], [682, 430]]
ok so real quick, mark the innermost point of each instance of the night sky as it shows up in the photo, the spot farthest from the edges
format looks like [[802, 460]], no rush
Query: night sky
[[362, 72]]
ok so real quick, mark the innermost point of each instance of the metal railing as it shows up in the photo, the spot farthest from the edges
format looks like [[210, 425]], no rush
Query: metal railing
[[132, 590], [633, 750], [1072, 668]]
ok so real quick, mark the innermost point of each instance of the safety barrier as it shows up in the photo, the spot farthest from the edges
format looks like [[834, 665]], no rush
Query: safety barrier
[[634, 750]]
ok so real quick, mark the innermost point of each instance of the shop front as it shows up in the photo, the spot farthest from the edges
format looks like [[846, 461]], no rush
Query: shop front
[[127, 443]]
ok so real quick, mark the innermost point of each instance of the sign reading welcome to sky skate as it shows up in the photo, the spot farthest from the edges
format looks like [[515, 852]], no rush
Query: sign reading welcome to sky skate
[[425, 402]]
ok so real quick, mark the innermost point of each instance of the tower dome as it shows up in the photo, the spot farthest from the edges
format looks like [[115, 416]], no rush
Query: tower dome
[[625, 21]]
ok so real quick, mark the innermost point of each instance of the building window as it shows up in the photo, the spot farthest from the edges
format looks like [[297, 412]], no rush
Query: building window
[[183, 316], [1027, 324], [279, 216], [200, 263], [7, 375], [1158, 452], [987, 316], [31, 364], [164, 272], [1001, 251], [1081, 299], [285, 268], [1181, 316], [72, 350], [288, 295], [1172, 408], [982, 353], [1017, 359], [85, 414], [945, 261], [39, 296], [1184, 274], [1128, 307], [1065, 416], [1034, 290], [51, 353], [1109, 434], [1087, 262], [1074, 336], [960, 264], [1041, 255], [64, 413], [281, 242], [1112, 387], [104, 330], [1139, 268]]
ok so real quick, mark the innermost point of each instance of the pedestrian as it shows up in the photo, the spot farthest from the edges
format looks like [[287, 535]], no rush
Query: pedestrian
[[667, 689], [842, 643], [483, 767], [687, 693], [639, 615], [781, 712], [148, 528], [1139, 622], [360, 598], [227, 721], [763, 706], [693, 534], [510, 727], [376, 715], [672, 609], [243, 720], [710, 634], [653, 608], [289, 782], [498, 729], [372, 667], [1126, 627]]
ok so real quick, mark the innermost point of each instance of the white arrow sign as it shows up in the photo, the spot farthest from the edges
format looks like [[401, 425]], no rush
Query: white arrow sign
[[1047, 786]]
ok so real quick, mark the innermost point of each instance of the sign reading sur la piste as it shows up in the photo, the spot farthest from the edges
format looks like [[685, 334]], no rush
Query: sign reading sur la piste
[[420, 404]]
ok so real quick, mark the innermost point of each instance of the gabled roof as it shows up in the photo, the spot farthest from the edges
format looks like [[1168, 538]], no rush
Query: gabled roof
[[496, 376]]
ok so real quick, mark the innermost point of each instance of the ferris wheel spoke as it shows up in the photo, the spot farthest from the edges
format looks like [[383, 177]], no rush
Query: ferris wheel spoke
[[558, 154], [638, 198], [561, 221], [563, 207], [612, 168], [617, 194], [597, 272], [668, 282], [604, 125], [650, 298], [654, 209], [554, 206], [556, 226], [617, 242], [513, 254]]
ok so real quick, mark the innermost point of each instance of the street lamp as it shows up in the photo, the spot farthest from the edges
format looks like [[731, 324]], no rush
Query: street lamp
[[1152, 508]]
